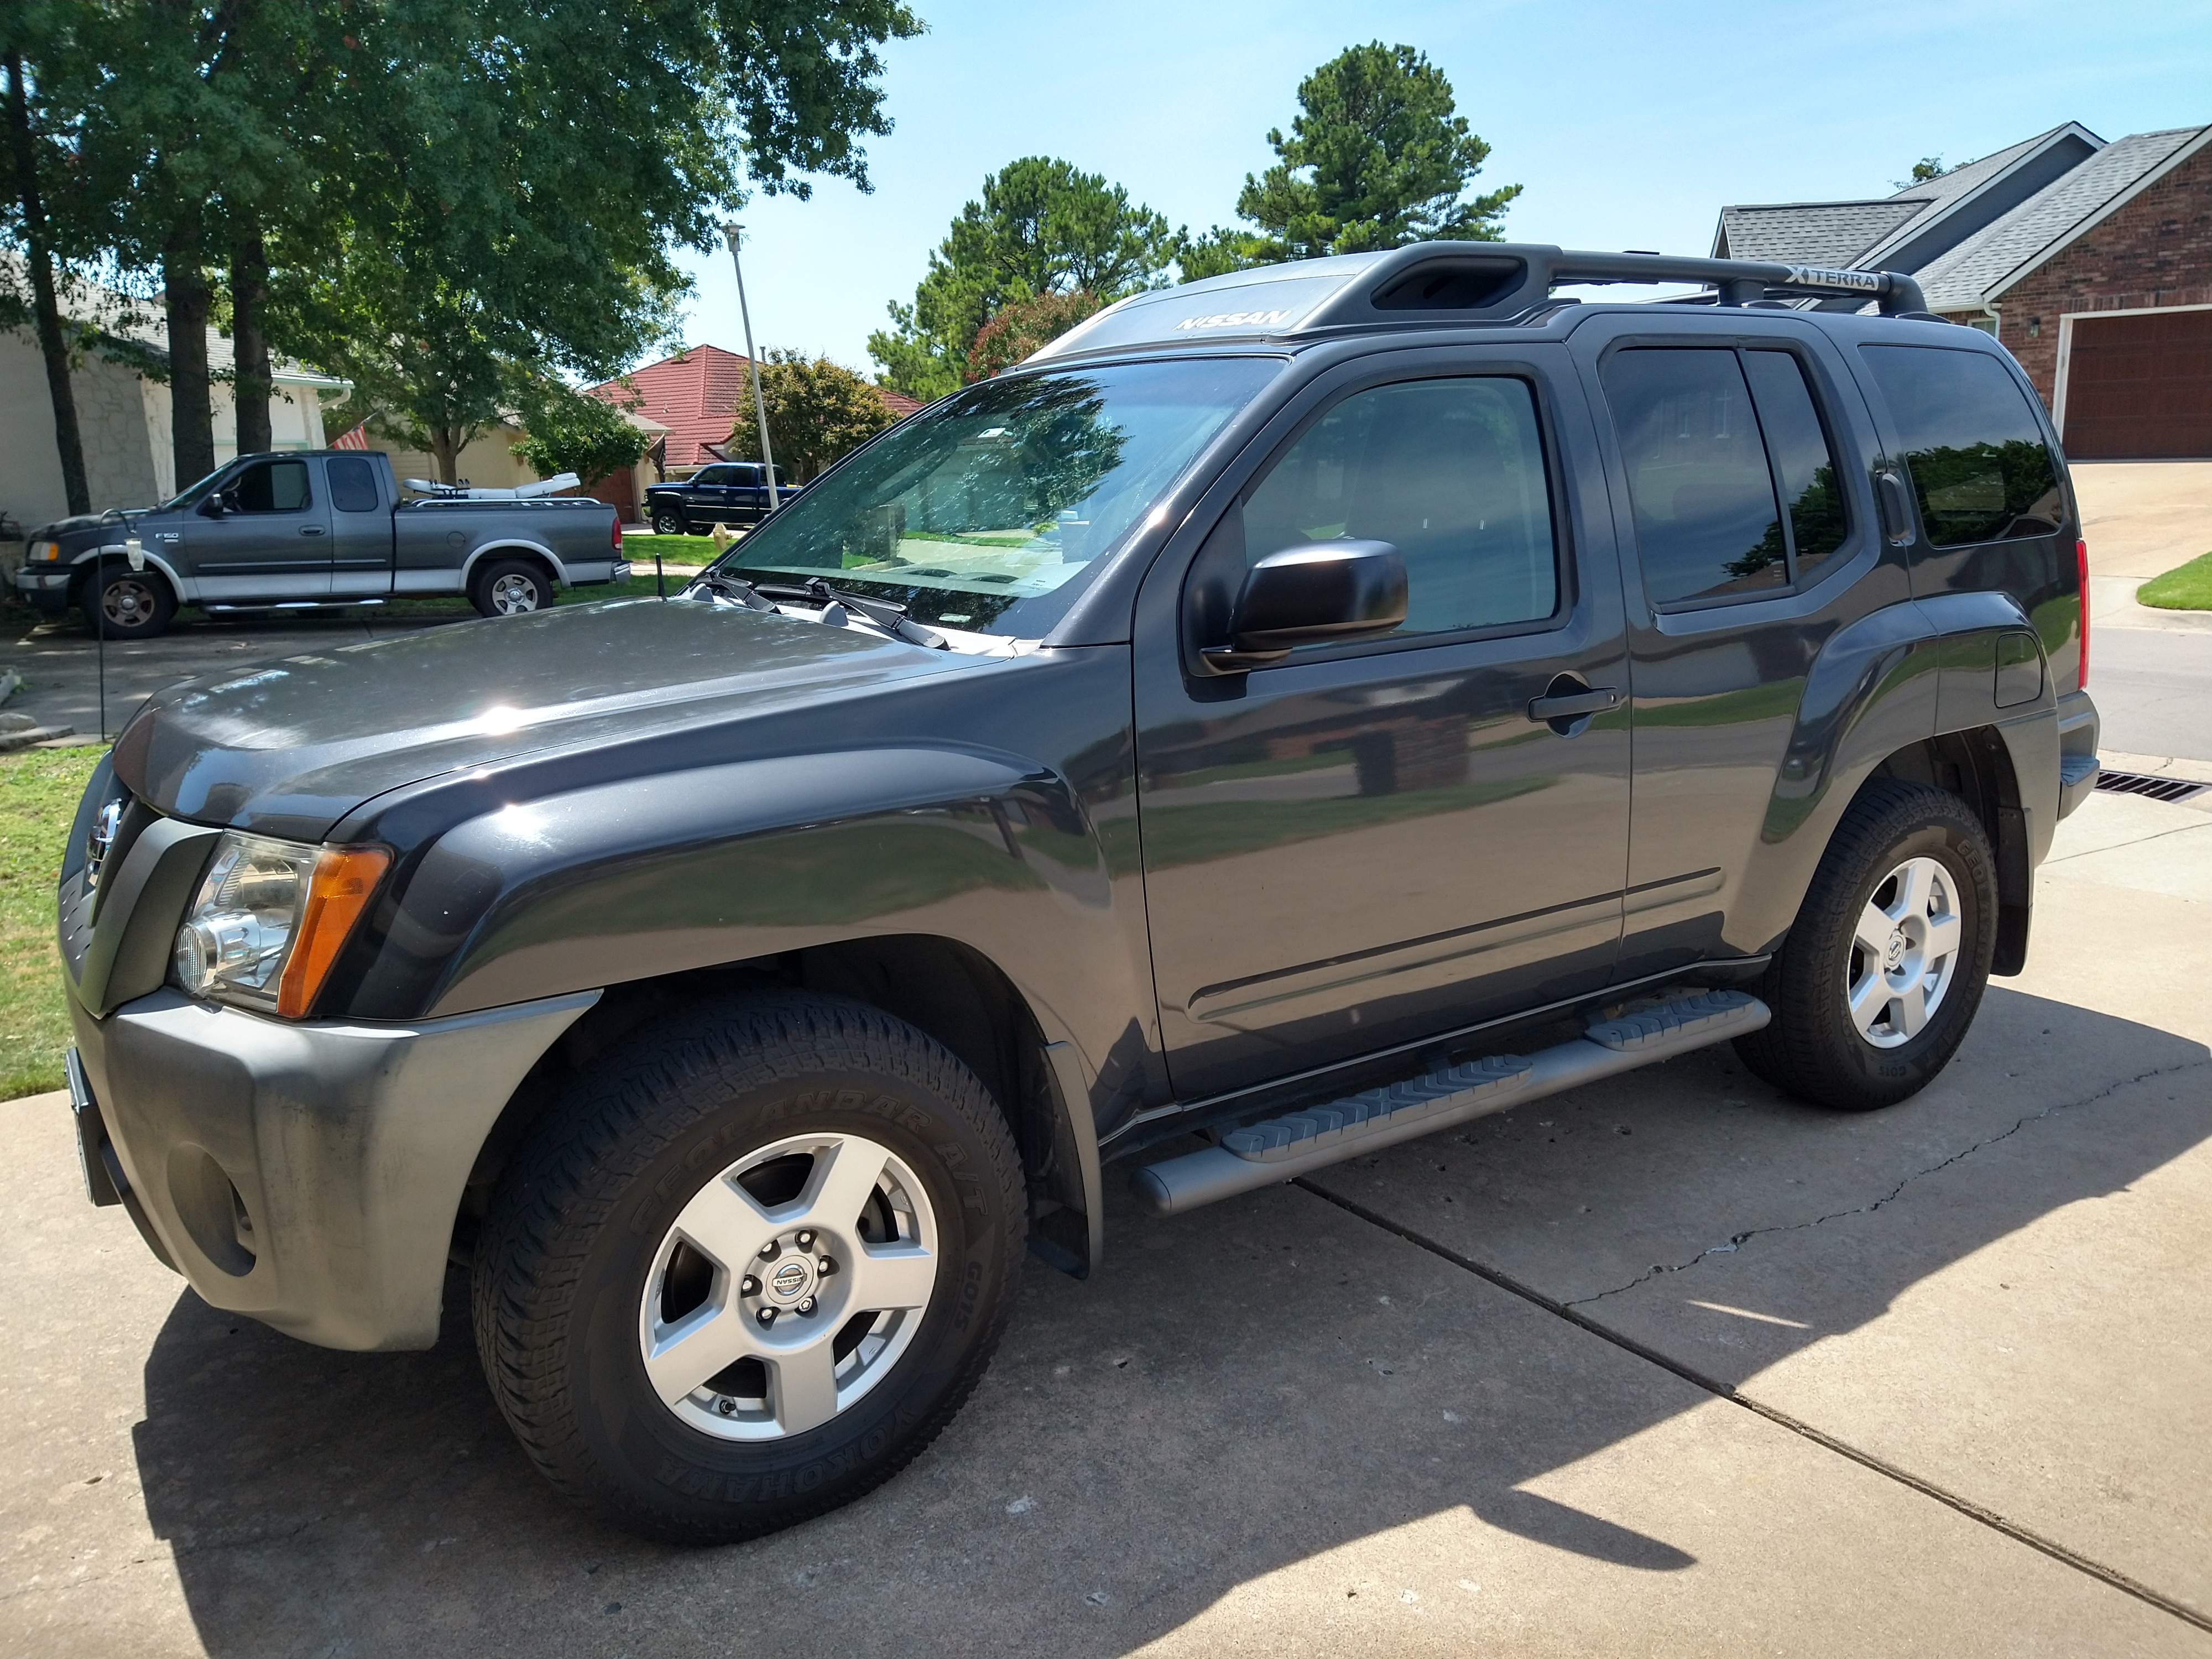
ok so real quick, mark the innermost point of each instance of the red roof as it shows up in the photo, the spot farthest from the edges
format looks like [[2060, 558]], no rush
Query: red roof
[[694, 394], [897, 401]]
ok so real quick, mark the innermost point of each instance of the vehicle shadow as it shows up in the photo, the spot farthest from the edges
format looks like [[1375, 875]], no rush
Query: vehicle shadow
[[1238, 1389]]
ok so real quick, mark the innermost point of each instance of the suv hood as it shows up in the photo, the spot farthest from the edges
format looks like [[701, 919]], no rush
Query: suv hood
[[289, 747]]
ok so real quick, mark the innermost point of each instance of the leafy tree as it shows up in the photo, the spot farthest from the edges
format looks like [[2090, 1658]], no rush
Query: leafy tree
[[1924, 169], [1377, 158], [570, 431], [438, 197], [818, 412], [1026, 326], [1041, 228]]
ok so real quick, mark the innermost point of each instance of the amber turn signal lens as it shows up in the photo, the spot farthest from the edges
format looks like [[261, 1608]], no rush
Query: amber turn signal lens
[[344, 881]]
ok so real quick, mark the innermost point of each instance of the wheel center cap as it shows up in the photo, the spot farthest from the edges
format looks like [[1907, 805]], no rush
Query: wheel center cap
[[1895, 952], [791, 1282]]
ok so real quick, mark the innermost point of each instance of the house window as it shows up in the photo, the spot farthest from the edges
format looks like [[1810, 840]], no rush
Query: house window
[[1987, 324]]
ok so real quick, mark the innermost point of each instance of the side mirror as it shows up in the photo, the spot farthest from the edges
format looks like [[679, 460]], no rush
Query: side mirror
[[1312, 595], [213, 505]]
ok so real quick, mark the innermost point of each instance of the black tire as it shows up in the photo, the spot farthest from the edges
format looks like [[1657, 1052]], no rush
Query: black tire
[[510, 587], [138, 603], [581, 1222], [666, 521], [1813, 1048]]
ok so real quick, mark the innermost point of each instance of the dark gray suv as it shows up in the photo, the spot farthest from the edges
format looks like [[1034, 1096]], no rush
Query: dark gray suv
[[1310, 708]]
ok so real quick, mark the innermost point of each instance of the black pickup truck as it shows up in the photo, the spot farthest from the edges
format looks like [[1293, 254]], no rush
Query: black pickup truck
[[734, 493], [1311, 708]]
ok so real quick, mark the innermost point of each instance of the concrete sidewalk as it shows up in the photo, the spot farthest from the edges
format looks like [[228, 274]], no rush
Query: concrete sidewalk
[[1314, 1421]]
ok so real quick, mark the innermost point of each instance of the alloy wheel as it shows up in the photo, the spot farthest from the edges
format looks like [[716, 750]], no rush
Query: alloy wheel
[[1905, 953], [788, 1287]]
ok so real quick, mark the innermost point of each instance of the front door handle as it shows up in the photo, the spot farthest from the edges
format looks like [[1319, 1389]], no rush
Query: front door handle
[[311, 530], [1568, 700]]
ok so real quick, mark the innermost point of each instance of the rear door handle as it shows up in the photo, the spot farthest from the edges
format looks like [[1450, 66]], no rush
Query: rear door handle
[[1573, 705], [311, 530]]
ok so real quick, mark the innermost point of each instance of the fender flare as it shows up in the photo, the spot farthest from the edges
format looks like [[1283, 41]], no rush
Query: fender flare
[[1895, 678], [513, 544], [185, 589]]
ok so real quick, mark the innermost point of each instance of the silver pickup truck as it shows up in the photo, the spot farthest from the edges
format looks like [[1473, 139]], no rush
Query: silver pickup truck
[[307, 529]]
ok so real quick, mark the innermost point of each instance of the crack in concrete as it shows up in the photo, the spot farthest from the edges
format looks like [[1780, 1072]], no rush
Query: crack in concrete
[[1736, 1240]]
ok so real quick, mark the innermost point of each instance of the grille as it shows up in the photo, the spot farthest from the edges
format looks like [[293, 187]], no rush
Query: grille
[[2136, 783]]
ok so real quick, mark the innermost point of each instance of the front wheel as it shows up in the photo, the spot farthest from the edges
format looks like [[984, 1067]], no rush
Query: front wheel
[[667, 522], [127, 605], [751, 1266], [1881, 974]]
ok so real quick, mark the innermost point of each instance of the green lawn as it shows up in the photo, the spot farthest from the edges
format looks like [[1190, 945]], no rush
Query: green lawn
[[2187, 588], [38, 791]]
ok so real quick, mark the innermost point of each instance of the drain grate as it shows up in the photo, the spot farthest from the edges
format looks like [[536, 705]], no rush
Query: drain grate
[[2136, 783]]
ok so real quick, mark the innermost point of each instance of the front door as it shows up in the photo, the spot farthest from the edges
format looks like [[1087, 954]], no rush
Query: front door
[[272, 541], [1373, 844]]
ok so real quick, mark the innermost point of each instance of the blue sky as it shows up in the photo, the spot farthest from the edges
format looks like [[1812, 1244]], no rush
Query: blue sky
[[1629, 125]]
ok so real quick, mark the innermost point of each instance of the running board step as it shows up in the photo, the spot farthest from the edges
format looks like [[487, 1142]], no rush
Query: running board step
[[1314, 1137]]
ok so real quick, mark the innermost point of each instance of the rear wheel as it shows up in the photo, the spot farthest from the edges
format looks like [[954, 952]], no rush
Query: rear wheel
[[751, 1266], [1885, 967], [131, 604], [511, 587]]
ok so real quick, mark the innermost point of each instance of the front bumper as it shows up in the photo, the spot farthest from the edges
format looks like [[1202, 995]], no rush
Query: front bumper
[[307, 1174], [45, 588]]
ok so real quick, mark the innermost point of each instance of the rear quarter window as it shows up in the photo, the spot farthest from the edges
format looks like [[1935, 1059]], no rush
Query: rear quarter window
[[1973, 448]]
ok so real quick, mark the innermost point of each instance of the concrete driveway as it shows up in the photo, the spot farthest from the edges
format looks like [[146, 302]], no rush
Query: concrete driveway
[[1670, 1365], [2150, 670]]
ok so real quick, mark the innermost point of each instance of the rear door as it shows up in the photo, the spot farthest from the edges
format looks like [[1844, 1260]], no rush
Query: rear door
[[361, 525], [1373, 843], [273, 540], [1730, 442]]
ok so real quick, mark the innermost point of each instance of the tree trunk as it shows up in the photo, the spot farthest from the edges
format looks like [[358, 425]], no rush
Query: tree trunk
[[192, 418], [446, 446], [68, 441], [249, 294]]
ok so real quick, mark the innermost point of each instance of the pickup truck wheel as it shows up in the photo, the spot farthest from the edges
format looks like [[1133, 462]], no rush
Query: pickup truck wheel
[[667, 522], [511, 587], [1883, 971], [750, 1265], [134, 605]]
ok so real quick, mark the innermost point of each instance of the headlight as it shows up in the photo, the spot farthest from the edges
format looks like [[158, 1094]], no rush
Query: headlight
[[269, 918], [44, 552]]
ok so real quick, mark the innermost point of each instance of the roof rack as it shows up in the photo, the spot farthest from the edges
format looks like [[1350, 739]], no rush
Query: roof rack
[[1447, 283]]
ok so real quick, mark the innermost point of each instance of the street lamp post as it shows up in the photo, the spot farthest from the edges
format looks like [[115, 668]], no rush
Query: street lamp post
[[730, 234]]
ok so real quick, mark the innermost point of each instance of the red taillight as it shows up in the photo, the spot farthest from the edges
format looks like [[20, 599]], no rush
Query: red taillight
[[618, 532], [2082, 563]]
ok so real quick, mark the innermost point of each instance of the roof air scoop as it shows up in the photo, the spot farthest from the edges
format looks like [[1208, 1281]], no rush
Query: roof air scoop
[[1449, 285]]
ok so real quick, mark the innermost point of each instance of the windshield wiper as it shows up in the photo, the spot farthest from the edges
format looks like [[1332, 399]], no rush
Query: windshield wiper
[[891, 618], [730, 588]]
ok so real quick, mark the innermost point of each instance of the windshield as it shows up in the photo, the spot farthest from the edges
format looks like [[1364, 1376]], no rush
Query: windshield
[[191, 497], [990, 512]]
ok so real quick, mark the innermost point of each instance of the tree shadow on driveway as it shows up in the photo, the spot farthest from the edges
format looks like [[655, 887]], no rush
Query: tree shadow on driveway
[[1239, 1389]]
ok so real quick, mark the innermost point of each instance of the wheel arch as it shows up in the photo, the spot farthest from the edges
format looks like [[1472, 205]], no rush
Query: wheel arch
[[1909, 691], [87, 565], [946, 988], [535, 553]]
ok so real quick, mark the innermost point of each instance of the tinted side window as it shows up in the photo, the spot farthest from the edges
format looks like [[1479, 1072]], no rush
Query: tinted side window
[[1973, 447], [1706, 523], [1804, 465], [714, 475], [1450, 472], [353, 484], [271, 487]]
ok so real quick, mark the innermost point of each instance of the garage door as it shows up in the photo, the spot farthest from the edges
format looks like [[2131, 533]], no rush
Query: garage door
[[2139, 387]]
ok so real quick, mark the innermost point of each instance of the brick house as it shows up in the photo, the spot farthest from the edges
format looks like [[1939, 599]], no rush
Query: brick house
[[2091, 261], [694, 397]]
